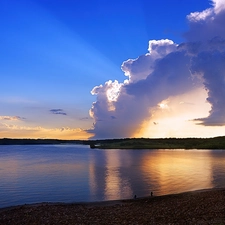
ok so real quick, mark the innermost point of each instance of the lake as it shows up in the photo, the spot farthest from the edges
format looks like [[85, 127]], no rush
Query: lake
[[76, 173]]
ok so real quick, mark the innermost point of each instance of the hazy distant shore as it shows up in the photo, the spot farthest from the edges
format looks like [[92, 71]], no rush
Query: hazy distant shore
[[195, 207]]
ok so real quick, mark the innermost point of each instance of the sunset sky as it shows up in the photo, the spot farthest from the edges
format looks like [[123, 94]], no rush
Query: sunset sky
[[111, 69]]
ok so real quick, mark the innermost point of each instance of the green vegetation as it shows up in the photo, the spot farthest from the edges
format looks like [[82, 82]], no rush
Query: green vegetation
[[163, 143], [130, 143]]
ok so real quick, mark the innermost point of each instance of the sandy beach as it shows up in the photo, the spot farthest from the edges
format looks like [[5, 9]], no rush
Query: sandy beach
[[196, 207]]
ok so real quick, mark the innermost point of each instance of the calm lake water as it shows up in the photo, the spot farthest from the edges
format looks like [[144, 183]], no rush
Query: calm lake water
[[76, 173]]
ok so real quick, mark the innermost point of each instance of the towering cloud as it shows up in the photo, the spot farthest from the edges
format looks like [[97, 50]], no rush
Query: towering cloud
[[211, 64], [207, 24], [167, 70]]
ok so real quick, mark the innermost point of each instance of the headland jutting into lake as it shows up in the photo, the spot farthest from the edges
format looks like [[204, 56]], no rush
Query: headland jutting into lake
[[130, 143]]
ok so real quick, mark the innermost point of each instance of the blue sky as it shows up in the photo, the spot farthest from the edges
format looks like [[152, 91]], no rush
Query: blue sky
[[54, 52]]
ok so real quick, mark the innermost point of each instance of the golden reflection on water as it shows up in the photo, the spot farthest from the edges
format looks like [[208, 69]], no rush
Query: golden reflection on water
[[160, 171], [116, 186], [112, 178], [83, 174], [179, 171], [109, 177]]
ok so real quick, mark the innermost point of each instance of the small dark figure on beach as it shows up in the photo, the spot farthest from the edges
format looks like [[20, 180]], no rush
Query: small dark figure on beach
[[151, 193], [135, 196]]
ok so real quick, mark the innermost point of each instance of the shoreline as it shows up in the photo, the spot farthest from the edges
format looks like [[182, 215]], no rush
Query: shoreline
[[198, 206], [107, 202], [217, 142]]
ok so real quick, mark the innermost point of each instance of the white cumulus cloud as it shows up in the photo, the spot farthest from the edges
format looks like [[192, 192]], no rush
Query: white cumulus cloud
[[165, 71]]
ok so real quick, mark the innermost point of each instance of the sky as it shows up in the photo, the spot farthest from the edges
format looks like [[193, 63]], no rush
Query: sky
[[112, 69]]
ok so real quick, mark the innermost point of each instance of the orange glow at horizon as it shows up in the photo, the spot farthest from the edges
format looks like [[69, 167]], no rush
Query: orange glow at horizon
[[45, 133], [175, 117]]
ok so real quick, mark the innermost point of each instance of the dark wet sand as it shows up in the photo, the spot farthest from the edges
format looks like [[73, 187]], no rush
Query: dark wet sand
[[197, 207]]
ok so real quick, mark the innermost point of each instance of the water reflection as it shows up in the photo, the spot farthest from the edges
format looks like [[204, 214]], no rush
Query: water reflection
[[122, 174], [42, 173], [177, 171], [107, 178], [218, 168], [31, 174]]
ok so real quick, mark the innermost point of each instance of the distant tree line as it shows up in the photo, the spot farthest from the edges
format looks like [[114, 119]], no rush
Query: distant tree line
[[130, 143], [161, 143], [9, 141]]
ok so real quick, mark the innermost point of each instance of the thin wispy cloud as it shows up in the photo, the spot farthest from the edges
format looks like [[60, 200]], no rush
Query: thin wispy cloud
[[11, 130], [84, 118], [12, 118], [58, 112]]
